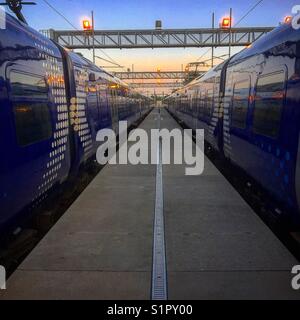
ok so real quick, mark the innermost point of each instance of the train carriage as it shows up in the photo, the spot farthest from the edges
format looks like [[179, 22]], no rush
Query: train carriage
[[249, 107], [52, 104]]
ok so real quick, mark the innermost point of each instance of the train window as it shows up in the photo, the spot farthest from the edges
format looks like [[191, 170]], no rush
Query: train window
[[29, 95], [240, 104], [270, 93], [27, 85]]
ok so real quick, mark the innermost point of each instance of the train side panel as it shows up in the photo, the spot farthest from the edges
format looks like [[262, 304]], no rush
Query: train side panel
[[215, 115], [240, 81], [52, 104], [199, 106], [34, 120], [298, 174], [250, 112], [89, 108], [262, 128]]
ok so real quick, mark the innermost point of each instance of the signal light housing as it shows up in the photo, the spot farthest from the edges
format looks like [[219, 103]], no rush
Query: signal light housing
[[86, 24], [225, 23]]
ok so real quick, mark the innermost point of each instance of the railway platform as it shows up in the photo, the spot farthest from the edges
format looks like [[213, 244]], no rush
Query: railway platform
[[216, 247]]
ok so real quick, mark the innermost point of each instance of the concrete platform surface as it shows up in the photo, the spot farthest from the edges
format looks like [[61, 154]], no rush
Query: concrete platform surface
[[216, 246]]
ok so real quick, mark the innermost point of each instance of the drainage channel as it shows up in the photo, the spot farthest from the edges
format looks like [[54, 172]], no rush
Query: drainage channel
[[159, 269]]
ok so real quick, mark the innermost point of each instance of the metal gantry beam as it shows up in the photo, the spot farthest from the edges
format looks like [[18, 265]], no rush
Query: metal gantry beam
[[151, 38], [174, 85], [146, 75]]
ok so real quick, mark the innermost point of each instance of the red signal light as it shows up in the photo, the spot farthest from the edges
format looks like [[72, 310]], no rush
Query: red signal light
[[288, 19], [226, 23], [87, 25]]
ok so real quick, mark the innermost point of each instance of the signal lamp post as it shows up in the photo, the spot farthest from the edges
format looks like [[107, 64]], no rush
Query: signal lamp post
[[93, 30], [226, 23], [230, 26], [88, 27], [213, 48]]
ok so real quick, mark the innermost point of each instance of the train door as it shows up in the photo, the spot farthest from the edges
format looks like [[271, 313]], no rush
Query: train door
[[238, 112], [82, 123], [32, 131], [267, 149], [92, 108]]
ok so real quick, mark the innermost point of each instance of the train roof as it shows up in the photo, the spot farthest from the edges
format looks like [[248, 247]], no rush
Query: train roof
[[209, 74], [280, 35], [77, 58], [81, 60]]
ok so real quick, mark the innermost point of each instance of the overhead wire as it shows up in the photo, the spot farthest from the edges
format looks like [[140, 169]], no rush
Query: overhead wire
[[236, 24], [74, 27]]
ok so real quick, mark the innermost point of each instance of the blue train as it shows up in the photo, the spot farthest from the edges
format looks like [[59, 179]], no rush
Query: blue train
[[249, 107], [52, 104]]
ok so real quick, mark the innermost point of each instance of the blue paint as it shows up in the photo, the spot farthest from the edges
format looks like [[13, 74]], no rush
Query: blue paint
[[277, 152], [275, 167], [29, 173], [286, 179]]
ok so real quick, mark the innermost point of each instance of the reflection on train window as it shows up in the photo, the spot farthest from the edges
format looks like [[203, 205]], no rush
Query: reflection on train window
[[270, 93], [202, 104], [30, 105], [209, 103], [240, 104], [27, 85]]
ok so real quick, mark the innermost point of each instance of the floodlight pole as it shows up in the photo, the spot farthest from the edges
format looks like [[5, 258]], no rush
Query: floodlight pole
[[212, 48], [230, 27], [93, 33]]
